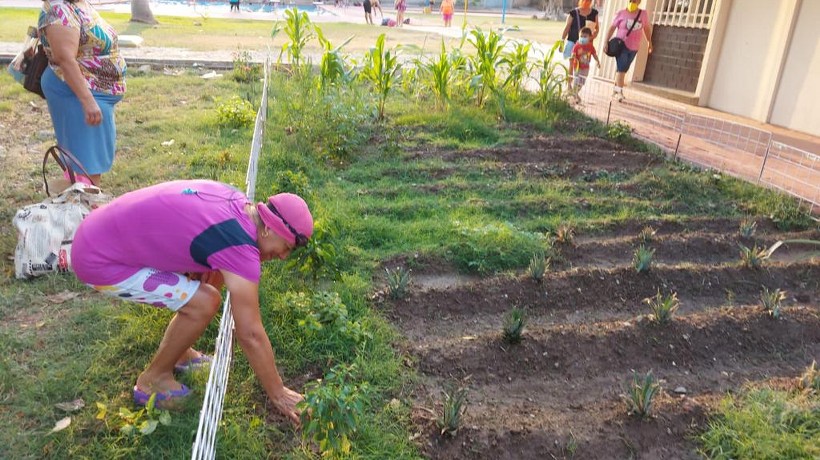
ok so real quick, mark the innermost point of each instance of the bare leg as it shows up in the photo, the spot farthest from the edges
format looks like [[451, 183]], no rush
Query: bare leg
[[183, 330], [619, 79]]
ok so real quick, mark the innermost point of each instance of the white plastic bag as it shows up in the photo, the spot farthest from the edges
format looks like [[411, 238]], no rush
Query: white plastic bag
[[45, 230], [17, 65]]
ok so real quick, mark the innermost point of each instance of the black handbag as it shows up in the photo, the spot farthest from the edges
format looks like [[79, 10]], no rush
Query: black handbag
[[616, 45], [34, 67]]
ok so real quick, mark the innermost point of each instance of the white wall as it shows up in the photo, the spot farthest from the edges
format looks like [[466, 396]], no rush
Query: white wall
[[797, 100], [750, 56]]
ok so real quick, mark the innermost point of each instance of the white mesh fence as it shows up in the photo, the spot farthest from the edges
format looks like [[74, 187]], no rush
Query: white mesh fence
[[733, 148], [204, 446]]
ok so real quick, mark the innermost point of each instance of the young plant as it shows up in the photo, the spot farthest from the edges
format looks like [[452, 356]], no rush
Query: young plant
[[454, 407], [333, 70], [753, 257], [485, 63], [565, 234], [518, 66], [539, 264], [245, 71], [319, 256], [771, 301], [382, 69], [663, 307], [397, 281], [810, 380], [440, 73], [647, 234], [299, 31], [142, 422], [619, 131], [514, 322], [331, 411], [642, 259], [235, 113], [748, 227], [641, 394], [551, 77]]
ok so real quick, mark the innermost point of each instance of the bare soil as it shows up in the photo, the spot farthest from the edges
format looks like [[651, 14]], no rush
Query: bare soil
[[557, 394]]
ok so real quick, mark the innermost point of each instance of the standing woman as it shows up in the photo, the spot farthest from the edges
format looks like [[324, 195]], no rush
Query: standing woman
[[401, 7], [84, 80], [630, 24]]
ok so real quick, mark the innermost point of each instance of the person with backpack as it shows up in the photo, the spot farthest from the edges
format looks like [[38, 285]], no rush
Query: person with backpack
[[629, 25]]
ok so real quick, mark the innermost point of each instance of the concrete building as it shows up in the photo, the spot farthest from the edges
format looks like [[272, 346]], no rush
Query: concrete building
[[758, 59]]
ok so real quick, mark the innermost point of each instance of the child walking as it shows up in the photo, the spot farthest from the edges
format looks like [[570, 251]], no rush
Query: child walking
[[582, 53]]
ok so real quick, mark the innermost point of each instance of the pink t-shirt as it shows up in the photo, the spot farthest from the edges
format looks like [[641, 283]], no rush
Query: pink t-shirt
[[623, 21], [181, 226]]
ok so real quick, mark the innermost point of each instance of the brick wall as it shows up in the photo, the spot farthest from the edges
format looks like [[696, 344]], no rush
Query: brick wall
[[676, 57]]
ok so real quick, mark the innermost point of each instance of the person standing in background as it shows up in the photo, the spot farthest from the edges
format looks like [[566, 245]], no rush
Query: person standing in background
[[630, 24]]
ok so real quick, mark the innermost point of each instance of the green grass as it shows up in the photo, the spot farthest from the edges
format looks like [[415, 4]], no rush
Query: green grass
[[765, 424]]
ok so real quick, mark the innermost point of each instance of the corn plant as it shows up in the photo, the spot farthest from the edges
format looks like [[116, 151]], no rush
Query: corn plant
[[514, 322], [747, 228], [642, 259], [641, 394], [333, 69], [565, 234], [397, 281], [663, 307], [810, 380], [440, 73], [142, 422], [539, 264], [454, 407], [381, 68], [551, 77], [518, 66], [331, 411], [771, 301], [299, 31], [647, 234], [753, 257], [484, 64]]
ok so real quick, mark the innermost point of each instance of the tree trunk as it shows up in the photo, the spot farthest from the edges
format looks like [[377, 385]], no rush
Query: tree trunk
[[141, 12]]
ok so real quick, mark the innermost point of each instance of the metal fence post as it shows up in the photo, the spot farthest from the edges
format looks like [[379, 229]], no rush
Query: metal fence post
[[608, 112], [677, 146], [765, 157]]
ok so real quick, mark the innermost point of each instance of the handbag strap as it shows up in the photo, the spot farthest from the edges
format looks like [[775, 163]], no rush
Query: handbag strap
[[57, 152], [634, 21]]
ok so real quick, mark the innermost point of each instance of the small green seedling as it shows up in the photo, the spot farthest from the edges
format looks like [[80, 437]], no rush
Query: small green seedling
[[641, 394], [565, 234], [663, 307], [514, 322], [753, 257], [539, 264], [142, 422], [810, 380], [771, 301], [747, 228], [397, 281], [455, 405], [647, 234], [642, 259]]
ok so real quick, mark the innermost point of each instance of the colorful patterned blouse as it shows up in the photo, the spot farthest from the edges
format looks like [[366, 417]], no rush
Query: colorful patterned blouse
[[98, 55]]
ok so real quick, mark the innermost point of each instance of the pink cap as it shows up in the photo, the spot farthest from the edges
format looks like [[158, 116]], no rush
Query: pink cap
[[293, 210]]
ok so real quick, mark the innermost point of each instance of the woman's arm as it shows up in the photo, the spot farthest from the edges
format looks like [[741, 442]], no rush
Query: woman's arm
[[565, 33], [648, 35], [609, 34], [65, 42], [256, 345]]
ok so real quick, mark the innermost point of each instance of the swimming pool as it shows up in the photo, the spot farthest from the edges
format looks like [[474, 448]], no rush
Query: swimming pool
[[222, 7]]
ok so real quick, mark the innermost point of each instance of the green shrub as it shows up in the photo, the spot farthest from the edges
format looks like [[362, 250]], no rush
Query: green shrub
[[492, 247], [619, 131], [235, 113], [319, 257], [324, 318]]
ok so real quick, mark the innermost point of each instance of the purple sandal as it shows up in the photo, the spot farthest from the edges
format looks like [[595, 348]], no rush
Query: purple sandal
[[197, 363], [141, 397]]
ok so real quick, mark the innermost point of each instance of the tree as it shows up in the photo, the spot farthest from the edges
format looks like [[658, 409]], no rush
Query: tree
[[141, 12]]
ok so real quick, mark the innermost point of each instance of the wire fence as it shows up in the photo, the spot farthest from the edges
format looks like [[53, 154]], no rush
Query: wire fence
[[204, 446], [736, 149]]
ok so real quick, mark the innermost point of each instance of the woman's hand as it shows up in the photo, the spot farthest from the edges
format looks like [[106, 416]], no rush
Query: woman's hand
[[285, 402], [606, 47], [92, 112]]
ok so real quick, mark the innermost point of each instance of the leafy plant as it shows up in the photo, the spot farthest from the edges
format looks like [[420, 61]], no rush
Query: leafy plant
[[383, 69], [440, 73], [753, 257], [333, 69], [565, 234], [454, 407], [235, 113], [514, 322], [551, 77], [641, 394], [319, 256], [331, 411], [142, 422], [539, 264], [810, 380], [325, 314], [485, 63], [642, 259], [663, 307], [299, 30], [787, 214], [747, 228], [518, 66], [397, 281], [619, 131], [772, 301], [647, 234], [244, 70]]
